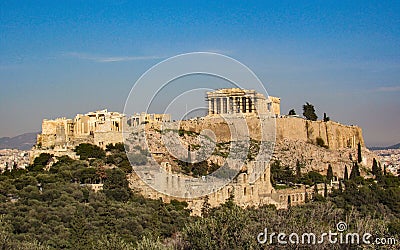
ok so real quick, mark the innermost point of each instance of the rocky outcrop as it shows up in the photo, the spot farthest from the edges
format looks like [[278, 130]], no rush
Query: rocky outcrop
[[317, 158]]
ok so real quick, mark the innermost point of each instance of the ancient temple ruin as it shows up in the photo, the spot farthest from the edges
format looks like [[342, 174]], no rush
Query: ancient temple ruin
[[100, 128], [144, 118], [241, 101]]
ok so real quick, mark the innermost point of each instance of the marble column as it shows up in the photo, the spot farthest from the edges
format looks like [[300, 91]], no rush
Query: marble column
[[236, 104], [253, 104], [228, 105], [219, 105], [214, 101]]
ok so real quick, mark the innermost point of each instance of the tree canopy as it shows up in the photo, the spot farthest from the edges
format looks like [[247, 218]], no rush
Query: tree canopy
[[309, 112]]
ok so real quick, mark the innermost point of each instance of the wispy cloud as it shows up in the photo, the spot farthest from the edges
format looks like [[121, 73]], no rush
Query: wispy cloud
[[108, 59], [388, 89]]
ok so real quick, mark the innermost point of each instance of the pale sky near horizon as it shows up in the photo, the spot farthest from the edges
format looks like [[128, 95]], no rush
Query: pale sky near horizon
[[60, 58]]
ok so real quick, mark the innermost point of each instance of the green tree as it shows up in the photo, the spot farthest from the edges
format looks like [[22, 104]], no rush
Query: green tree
[[298, 170], [329, 173], [40, 162], [205, 209], [359, 156], [120, 147], [355, 172], [326, 118], [312, 178], [309, 112], [116, 185], [315, 189], [292, 112], [346, 173], [376, 169], [320, 142], [87, 150]]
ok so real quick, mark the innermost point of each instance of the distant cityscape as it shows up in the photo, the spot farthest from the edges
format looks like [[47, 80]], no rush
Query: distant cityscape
[[390, 158], [13, 159]]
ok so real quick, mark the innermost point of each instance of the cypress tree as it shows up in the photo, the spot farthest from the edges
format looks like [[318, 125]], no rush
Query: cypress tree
[[329, 173], [326, 118], [374, 167], [206, 207], [346, 173], [298, 170], [325, 190], [309, 112], [340, 186], [359, 156], [355, 171]]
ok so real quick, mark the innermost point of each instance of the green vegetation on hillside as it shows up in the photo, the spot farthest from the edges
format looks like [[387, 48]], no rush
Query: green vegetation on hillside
[[50, 206], [58, 210]]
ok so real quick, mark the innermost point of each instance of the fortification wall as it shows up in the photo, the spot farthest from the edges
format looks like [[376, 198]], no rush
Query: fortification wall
[[102, 139], [333, 134]]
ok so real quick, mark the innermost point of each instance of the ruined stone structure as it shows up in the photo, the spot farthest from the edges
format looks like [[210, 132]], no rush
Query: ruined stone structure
[[99, 128], [235, 101], [297, 139], [143, 118], [245, 193]]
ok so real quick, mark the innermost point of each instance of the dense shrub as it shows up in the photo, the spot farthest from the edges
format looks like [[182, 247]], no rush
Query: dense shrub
[[86, 151]]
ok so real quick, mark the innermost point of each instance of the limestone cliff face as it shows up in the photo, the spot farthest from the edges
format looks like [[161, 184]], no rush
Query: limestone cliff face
[[333, 135], [316, 158], [296, 140]]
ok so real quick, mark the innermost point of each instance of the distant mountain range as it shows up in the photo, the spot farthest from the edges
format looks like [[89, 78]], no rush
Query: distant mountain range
[[396, 146], [21, 142]]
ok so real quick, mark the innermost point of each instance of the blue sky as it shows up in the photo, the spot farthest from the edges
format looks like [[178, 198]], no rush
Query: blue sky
[[61, 58]]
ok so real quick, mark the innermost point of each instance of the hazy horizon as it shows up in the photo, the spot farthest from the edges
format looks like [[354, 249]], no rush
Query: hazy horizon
[[58, 59]]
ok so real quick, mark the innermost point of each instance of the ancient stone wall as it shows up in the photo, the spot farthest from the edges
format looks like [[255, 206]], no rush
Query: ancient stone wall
[[334, 135], [245, 193], [99, 128], [102, 139]]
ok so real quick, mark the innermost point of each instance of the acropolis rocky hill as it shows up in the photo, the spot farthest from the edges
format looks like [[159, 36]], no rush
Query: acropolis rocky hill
[[296, 137], [314, 144]]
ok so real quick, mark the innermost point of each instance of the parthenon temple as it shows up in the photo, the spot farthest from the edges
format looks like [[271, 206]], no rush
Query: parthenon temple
[[236, 100]]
